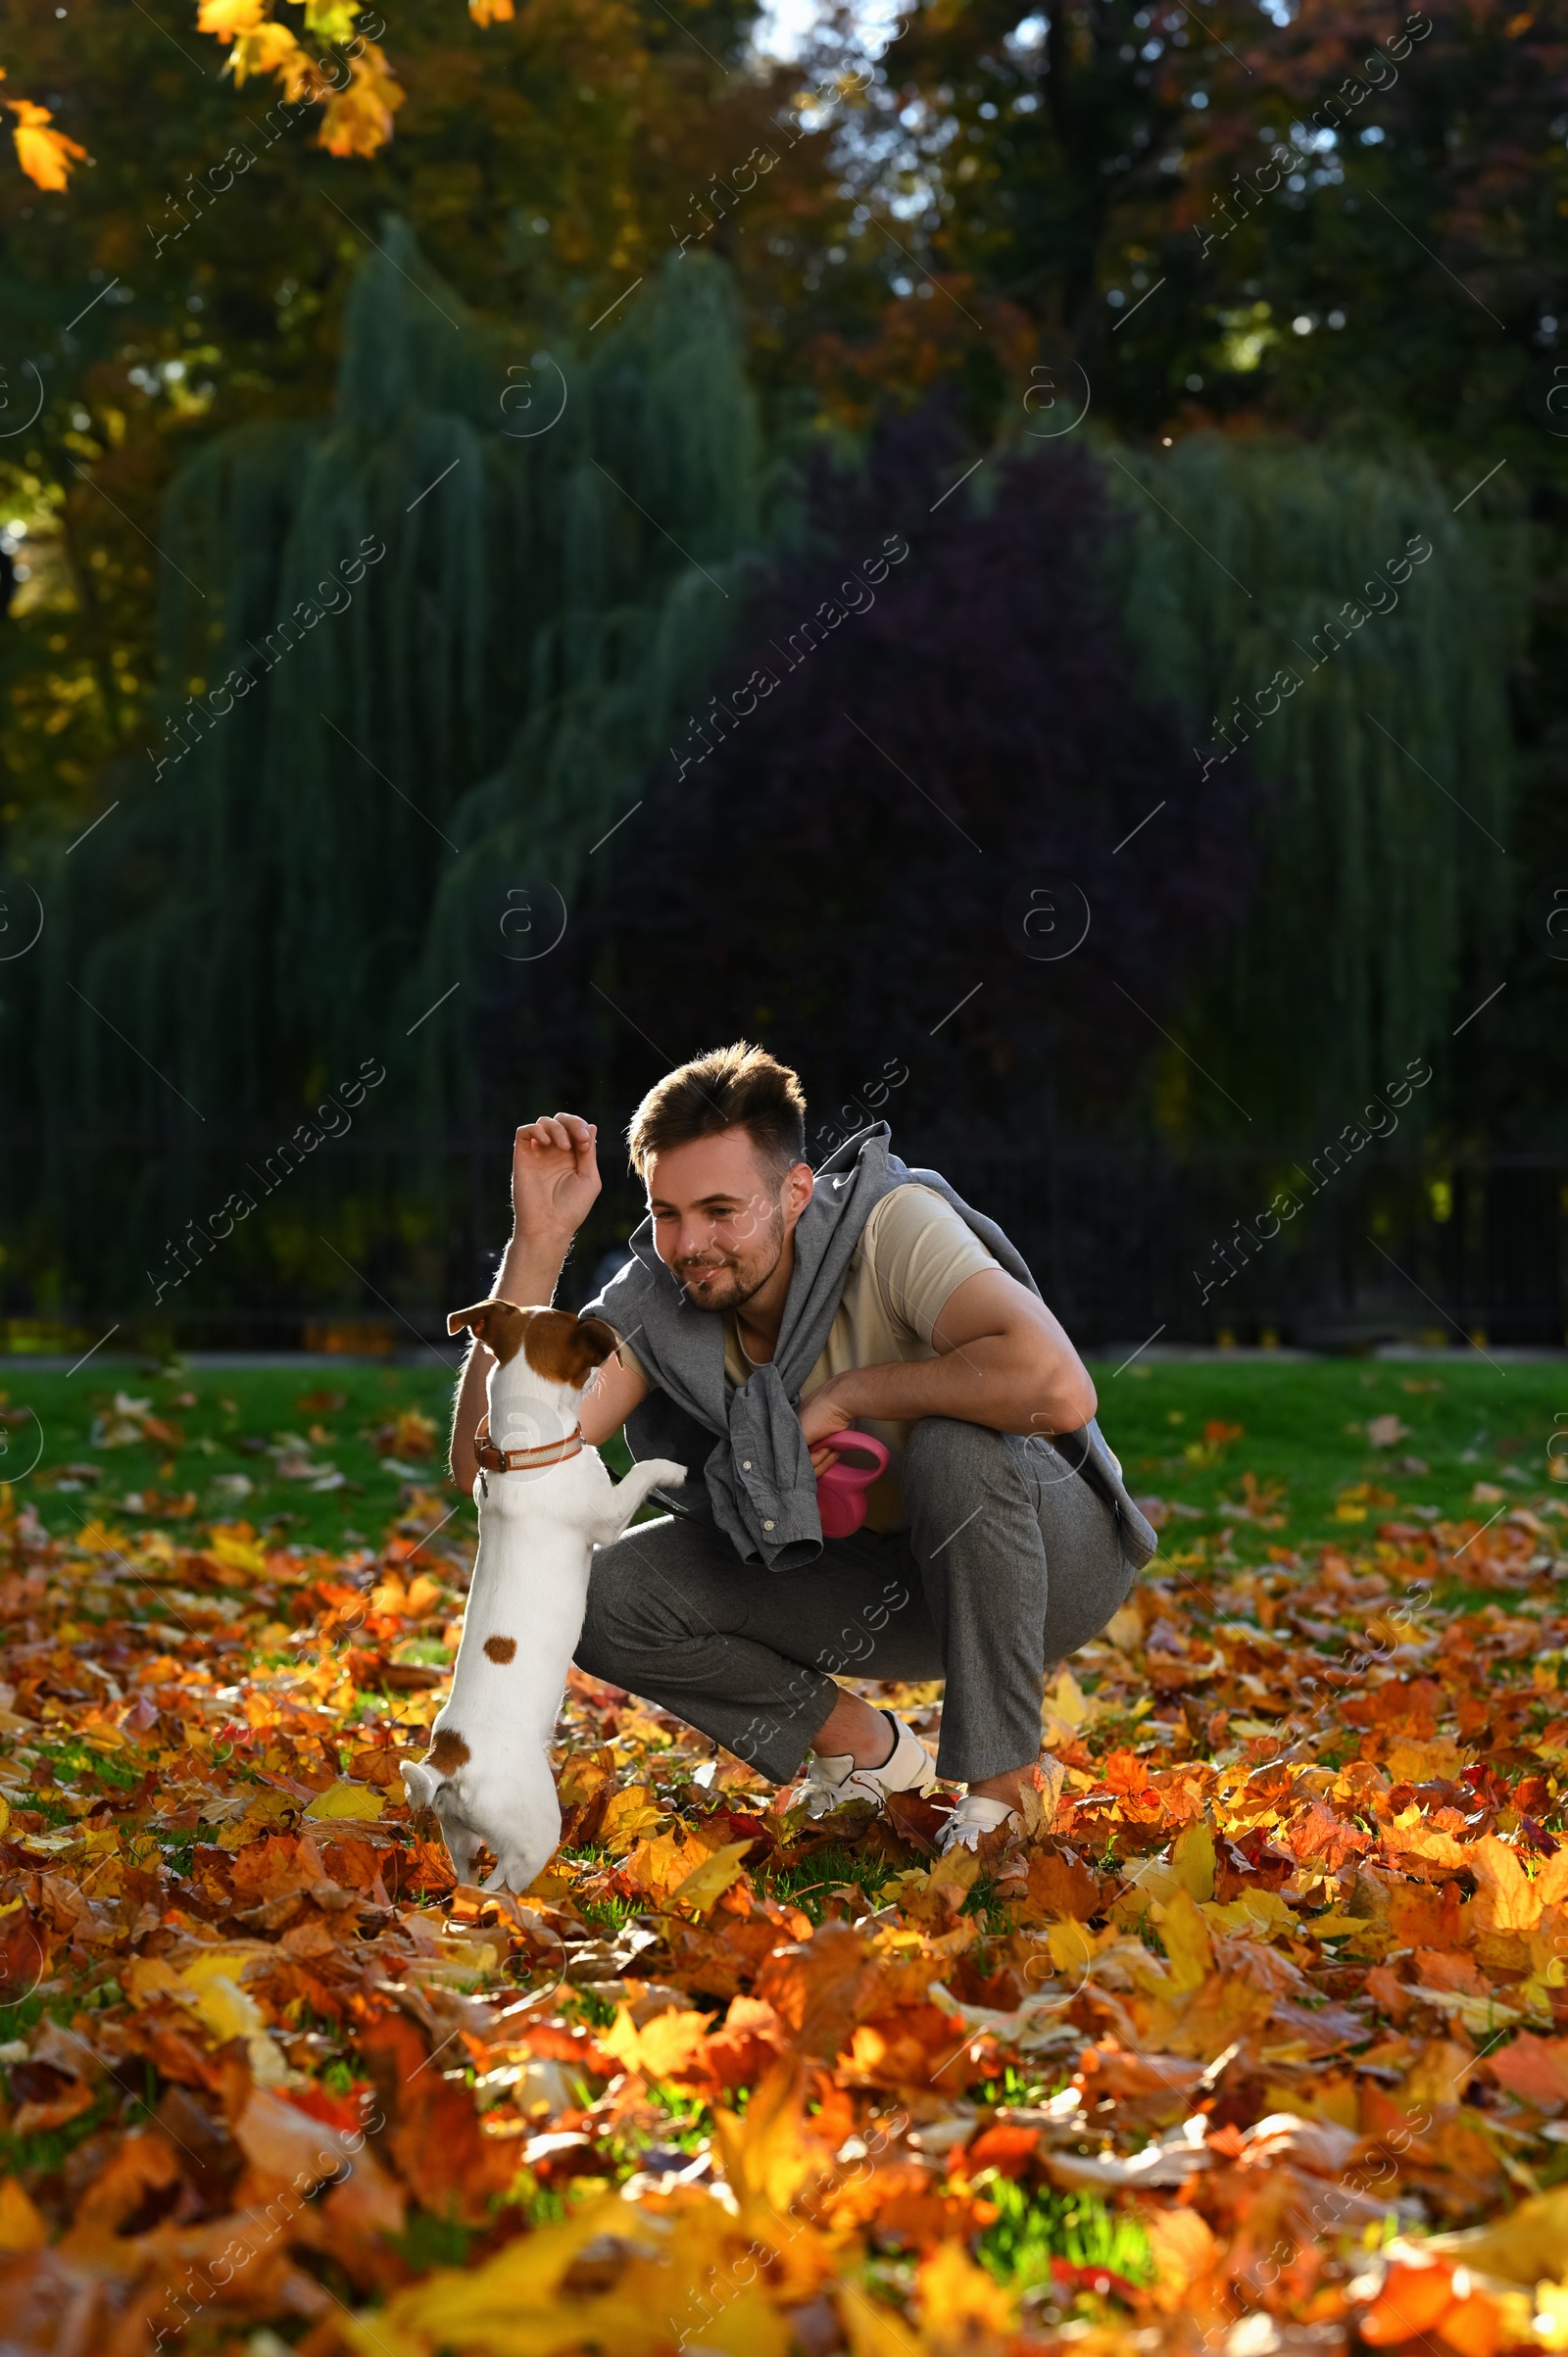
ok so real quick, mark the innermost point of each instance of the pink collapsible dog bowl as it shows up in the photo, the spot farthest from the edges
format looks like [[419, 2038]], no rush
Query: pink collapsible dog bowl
[[840, 1490]]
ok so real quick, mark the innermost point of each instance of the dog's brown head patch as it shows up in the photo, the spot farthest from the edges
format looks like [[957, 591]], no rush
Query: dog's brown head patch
[[498, 1325], [501, 1648], [563, 1349], [448, 1754]]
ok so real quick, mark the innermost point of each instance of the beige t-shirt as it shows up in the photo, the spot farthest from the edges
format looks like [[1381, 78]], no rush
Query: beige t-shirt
[[914, 1251]]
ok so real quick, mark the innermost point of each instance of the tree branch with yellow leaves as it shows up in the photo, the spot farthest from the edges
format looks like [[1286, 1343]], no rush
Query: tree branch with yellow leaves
[[335, 66]]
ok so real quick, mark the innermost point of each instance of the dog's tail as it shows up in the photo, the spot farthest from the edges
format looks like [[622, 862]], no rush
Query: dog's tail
[[421, 1783]]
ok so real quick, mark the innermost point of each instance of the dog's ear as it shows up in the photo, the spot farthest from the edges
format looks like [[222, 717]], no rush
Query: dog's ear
[[563, 1349], [475, 1317], [594, 1342]]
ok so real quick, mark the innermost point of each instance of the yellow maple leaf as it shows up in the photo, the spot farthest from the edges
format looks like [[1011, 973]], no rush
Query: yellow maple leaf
[[660, 1863], [524, 2303], [708, 1883], [491, 11], [1192, 1859], [1188, 1944], [1525, 2247], [225, 2009], [234, 1551], [343, 1799], [22, 2226], [358, 120], [770, 2153], [628, 1813], [268, 49], [226, 17], [1073, 1947], [1065, 1710], [668, 2042], [1261, 1914], [45, 156], [413, 1433]]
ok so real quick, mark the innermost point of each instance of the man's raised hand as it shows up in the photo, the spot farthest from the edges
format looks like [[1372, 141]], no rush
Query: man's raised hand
[[555, 1175]]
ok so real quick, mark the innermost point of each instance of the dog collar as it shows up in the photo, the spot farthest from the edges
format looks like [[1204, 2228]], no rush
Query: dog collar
[[496, 1459]]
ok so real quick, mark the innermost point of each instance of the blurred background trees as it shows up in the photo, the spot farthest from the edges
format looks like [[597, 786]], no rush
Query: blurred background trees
[[1155, 341]]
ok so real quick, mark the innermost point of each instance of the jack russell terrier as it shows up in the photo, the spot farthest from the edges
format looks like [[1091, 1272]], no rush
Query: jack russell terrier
[[545, 1501]]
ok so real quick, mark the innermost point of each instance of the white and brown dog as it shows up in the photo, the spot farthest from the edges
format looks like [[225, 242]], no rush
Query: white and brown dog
[[545, 1501]]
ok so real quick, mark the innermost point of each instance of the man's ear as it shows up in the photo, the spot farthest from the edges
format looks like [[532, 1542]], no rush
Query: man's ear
[[475, 1317], [800, 1181]]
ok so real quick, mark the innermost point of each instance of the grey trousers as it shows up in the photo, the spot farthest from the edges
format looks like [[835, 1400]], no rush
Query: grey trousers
[[1009, 1562]]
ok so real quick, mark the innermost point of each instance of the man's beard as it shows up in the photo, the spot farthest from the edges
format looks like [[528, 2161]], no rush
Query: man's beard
[[733, 1282]]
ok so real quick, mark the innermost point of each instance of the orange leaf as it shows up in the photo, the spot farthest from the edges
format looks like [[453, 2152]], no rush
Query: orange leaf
[[45, 156], [1413, 2300], [22, 2226], [1535, 2069], [1473, 2327], [1006, 2147], [1125, 1772], [358, 120]]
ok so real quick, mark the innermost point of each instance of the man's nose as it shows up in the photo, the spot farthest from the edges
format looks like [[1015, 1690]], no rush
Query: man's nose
[[691, 1236]]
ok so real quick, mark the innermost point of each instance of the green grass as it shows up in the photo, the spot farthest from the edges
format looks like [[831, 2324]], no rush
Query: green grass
[[1304, 1426], [1082, 2229], [238, 1413], [1468, 1422]]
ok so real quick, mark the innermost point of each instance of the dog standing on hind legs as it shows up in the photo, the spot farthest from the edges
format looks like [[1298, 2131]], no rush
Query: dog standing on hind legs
[[545, 1501]]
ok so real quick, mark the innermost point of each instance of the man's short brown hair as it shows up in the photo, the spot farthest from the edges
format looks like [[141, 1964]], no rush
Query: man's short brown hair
[[739, 1087]]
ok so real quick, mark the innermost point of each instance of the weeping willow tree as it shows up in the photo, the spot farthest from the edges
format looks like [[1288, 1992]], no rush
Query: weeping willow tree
[[1329, 621], [451, 621], [419, 655]]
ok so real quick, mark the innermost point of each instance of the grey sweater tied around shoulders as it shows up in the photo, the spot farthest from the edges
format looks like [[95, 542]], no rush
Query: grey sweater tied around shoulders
[[757, 1482]]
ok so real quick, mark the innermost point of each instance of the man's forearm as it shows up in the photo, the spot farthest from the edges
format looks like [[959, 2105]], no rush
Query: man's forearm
[[529, 1271], [992, 1381]]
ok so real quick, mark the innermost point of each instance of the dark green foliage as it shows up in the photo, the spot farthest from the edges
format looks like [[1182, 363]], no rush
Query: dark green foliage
[[305, 866], [424, 654], [1385, 771]]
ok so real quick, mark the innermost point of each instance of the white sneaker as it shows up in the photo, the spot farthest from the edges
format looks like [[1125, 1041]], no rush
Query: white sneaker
[[833, 1777], [969, 1819]]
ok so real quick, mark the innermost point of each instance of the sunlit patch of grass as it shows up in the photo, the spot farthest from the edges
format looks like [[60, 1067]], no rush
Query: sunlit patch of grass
[[1035, 2228], [809, 1885]]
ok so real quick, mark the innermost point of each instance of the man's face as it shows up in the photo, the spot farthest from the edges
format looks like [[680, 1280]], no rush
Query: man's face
[[721, 1220]]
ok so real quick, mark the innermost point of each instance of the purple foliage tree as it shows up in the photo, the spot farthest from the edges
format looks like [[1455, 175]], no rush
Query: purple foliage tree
[[887, 855]]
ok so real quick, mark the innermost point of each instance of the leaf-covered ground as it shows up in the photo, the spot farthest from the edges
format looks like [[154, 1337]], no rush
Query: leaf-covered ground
[[1252, 2034]]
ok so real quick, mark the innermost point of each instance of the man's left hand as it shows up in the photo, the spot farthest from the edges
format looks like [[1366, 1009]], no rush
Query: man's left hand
[[822, 1414]]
